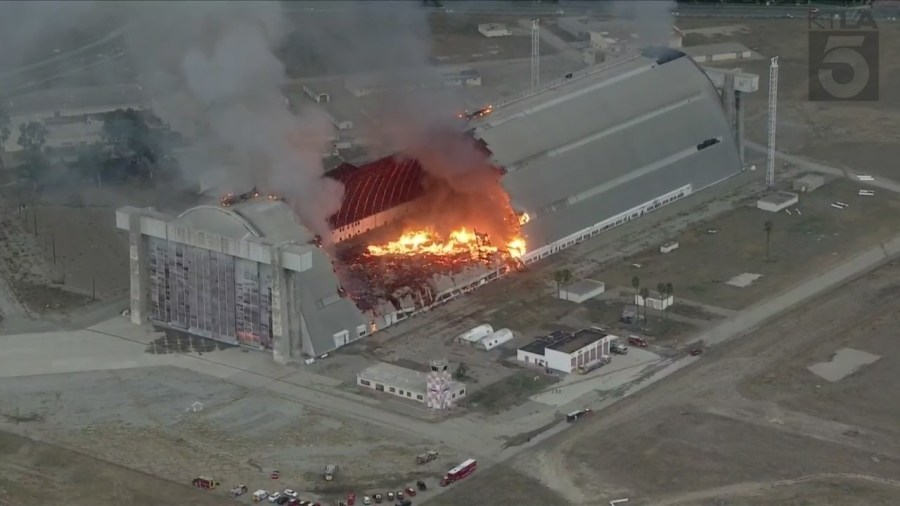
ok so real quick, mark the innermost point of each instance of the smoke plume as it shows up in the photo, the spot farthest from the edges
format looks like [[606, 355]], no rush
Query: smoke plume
[[652, 19], [213, 68]]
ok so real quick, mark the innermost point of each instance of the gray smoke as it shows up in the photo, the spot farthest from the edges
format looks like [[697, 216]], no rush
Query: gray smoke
[[652, 19], [213, 68]]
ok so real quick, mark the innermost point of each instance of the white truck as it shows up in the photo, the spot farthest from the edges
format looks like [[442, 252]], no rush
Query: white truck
[[330, 471]]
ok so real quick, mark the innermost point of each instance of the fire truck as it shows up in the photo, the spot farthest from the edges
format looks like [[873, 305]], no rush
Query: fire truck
[[459, 472]]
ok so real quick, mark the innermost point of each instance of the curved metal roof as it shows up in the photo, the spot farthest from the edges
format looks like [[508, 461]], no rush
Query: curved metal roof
[[599, 145], [376, 187]]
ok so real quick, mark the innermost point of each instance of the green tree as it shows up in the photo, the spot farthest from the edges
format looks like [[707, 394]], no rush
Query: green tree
[[32, 136], [5, 132], [89, 162], [34, 166], [645, 294], [562, 277], [767, 226], [462, 372], [137, 136]]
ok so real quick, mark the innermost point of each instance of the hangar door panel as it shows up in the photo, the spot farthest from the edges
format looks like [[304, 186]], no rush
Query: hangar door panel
[[250, 303], [192, 289]]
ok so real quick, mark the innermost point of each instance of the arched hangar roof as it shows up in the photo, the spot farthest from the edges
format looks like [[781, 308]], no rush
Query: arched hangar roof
[[272, 220], [601, 144]]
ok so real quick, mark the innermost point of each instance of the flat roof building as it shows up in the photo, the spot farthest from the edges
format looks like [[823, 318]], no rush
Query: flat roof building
[[565, 352], [402, 382]]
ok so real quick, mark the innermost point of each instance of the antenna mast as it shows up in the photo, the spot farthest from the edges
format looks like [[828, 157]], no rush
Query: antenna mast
[[773, 106], [535, 54]]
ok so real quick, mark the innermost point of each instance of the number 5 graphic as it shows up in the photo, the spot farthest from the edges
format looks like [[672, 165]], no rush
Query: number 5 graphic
[[843, 65]]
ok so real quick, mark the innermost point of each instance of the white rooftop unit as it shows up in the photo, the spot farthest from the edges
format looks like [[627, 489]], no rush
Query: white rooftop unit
[[495, 339], [476, 334]]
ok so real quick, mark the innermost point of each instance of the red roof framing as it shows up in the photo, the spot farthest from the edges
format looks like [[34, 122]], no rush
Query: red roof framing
[[376, 187]]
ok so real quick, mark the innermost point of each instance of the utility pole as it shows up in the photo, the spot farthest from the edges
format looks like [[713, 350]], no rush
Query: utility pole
[[535, 54], [773, 106]]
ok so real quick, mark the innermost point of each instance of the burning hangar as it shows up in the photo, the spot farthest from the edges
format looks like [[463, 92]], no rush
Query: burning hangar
[[581, 157]]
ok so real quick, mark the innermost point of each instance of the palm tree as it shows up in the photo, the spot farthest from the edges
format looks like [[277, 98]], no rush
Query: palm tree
[[636, 284], [661, 288], [645, 294], [562, 277], [767, 226]]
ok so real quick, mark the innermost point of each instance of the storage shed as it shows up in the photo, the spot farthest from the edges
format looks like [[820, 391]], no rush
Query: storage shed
[[777, 202], [495, 339], [809, 183], [582, 290], [474, 335]]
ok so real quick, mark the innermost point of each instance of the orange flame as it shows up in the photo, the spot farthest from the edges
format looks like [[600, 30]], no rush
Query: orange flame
[[460, 242]]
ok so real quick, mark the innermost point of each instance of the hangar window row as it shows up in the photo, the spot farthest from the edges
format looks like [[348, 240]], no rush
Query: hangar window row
[[615, 221]]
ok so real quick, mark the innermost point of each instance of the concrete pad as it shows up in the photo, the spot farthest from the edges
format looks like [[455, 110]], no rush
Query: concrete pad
[[743, 280], [623, 370], [845, 362], [69, 352]]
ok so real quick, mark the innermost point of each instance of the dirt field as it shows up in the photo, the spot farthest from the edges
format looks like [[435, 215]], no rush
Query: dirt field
[[694, 439], [455, 39], [145, 420], [800, 246], [31, 472], [857, 135], [58, 252]]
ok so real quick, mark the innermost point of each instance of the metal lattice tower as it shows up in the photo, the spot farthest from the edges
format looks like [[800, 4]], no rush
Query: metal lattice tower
[[773, 106], [535, 54]]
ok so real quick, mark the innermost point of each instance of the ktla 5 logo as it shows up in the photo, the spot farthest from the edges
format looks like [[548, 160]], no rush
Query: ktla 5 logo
[[843, 57]]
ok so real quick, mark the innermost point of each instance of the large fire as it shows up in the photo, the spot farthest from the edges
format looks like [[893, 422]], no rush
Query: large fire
[[459, 242]]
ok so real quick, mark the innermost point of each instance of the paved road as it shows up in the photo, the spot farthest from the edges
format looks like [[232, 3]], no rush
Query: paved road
[[799, 161]]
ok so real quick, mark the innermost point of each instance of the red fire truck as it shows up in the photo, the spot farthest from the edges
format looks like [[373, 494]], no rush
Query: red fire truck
[[459, 472]]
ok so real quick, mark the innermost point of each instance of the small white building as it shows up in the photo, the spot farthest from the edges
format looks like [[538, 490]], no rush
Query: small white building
[[320, 98], [655, 301], [495, 339], [808, 183], [668, 247], [402, 382], [491, 30], [777, 202], [475, 334], [565, 352], [725, 51], [582, 290]]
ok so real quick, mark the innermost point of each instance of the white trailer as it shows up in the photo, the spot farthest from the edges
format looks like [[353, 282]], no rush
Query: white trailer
[[495, 339], [474, 335]]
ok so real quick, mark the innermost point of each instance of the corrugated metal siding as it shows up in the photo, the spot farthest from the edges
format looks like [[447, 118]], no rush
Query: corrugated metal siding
[[197, 290]]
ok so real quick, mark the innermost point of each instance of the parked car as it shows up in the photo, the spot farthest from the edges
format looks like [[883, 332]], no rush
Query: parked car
[[399, 495], [238, 490], [421, 485], [290, 493], [274, 496], [410, 491], [696, 351], [405, 502], [367, 500], [640, 342], [390, 496], [283, 500], [378, 498]]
